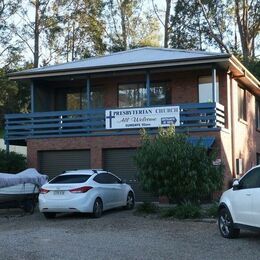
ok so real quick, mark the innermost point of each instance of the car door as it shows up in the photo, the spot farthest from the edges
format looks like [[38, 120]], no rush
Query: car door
[[104, 190], [116, 189], [256, 199], [242, 199]]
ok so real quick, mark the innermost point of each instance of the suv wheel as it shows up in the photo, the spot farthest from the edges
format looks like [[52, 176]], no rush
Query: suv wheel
[[226, 224]]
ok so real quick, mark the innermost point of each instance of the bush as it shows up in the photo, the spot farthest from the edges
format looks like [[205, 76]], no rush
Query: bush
[[183, 211], [12, 162], [212, 211], [147, 208], [187, 210], [170, 166]]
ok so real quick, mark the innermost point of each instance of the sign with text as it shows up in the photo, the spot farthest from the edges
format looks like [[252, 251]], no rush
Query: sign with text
[[142, 117]]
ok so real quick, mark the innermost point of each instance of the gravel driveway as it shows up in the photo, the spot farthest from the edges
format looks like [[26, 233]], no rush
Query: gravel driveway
[[117, 235]]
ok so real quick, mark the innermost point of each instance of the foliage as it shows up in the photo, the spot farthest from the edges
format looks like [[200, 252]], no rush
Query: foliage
[[12, 162], [212, 211], [146, 208], [14, 97], [170, 166], [186, 210]]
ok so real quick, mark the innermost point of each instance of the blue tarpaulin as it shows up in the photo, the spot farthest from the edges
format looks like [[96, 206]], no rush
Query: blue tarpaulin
[[206, 142]]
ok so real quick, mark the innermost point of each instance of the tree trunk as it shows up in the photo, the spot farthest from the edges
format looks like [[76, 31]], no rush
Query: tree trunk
[[36, 34], [166, 24], [123, 23]]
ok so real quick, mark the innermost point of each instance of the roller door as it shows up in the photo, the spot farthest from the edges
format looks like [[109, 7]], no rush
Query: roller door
[[53, 163], [120, 162]]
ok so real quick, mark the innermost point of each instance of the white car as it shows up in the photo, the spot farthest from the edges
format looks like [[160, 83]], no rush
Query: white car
[[239, 206], [86, 191]]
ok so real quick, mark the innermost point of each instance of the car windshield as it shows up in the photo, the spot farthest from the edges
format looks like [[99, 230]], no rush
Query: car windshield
[[70, 179]]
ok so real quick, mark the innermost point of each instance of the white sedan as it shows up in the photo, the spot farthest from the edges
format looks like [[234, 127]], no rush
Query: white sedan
[[86, 191]]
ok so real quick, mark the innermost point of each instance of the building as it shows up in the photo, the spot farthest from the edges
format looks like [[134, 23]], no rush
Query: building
[[73, 123]]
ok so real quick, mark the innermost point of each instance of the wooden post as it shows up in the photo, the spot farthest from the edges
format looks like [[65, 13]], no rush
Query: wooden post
[[214, 84], [148, 83], [88, 92]]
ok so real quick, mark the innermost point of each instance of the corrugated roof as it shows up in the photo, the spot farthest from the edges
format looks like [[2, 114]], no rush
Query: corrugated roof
[[146, 55]]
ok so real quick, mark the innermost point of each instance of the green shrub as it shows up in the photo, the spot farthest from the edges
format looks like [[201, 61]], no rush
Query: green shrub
[[212, 211], [170, 166], [186, 210], [147, 208], [12, 162]]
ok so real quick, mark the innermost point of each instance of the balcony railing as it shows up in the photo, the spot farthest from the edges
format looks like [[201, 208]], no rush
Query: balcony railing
[[19, 127]]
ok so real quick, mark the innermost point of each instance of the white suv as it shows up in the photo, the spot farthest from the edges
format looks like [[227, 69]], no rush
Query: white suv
[[239, 206]]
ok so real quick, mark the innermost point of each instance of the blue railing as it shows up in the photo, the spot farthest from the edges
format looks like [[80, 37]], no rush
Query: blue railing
[[193, 117]]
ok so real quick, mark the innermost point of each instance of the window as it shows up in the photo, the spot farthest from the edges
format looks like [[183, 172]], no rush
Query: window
[[251, 180], [134, 95], [70, 179], [96, 97], [76, 98], [257, 158], [206, 89], [257, 113], [242, 103], [106, 178]]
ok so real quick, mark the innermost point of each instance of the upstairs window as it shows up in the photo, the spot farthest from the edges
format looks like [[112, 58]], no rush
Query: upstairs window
[[76, 98], [206, 89], [134, 95], [257, 114], [242, 104]]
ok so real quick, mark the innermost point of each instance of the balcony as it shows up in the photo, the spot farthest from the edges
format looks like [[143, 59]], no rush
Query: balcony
[[20, 127]]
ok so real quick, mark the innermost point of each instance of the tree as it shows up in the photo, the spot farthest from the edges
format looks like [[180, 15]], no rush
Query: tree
[[170, 166], [29, 29], [247, 14], [7, 10], [14, 97], [80, 28], [129, 26], [166, 22]]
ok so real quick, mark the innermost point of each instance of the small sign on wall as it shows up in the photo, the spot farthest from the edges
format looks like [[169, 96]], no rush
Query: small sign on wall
[[145, 117]]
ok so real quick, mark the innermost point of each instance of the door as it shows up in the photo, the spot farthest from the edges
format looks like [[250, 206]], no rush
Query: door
[[54, 163], [245, 202], [121, 163]]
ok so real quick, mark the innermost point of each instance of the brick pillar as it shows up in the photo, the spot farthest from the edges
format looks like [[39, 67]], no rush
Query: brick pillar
[[96, 158]]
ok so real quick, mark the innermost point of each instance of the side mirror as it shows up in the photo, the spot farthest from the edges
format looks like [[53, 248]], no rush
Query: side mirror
[[235, 184]]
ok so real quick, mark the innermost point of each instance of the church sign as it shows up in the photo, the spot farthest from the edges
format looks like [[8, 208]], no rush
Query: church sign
[[145, 117]]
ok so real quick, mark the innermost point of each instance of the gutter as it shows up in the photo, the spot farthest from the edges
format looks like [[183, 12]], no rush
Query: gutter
[[130, 66]]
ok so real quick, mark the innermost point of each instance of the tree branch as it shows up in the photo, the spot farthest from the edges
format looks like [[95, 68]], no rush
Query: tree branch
[[210, 31]]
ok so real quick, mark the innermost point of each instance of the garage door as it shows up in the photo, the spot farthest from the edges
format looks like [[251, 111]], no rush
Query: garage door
[[53, 163], [120, 162]]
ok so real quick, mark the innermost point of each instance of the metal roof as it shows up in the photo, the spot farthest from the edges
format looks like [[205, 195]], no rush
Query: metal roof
[[139, 56]]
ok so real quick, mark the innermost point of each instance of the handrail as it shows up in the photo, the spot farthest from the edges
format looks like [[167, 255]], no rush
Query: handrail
[[193, 117]]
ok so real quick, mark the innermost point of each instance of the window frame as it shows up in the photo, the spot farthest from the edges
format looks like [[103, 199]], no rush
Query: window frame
[[257, 114], [242, 111], [248, 175], [168, 93], [217, 87]]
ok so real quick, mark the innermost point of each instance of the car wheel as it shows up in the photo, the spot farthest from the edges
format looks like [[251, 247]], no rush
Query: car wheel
[[28, 206], [226, 224], [130, 201], [97, 208], [49, 215]]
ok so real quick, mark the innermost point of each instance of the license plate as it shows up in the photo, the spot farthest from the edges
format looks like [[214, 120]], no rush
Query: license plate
[[58, 192]]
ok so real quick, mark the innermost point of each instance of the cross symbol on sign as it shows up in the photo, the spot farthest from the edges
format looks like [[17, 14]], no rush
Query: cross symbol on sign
[[110, 117]]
